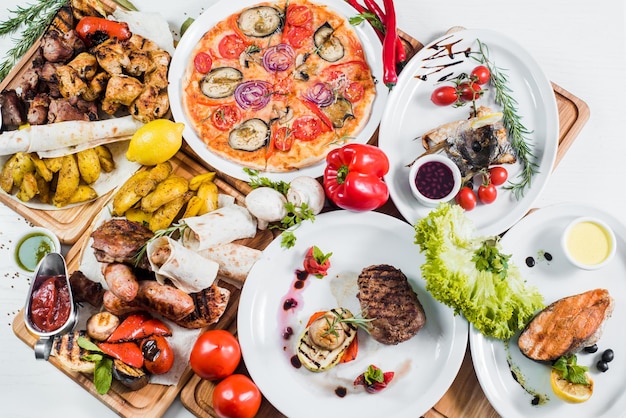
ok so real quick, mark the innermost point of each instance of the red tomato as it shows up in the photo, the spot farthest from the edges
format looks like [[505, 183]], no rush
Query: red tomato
[[236, 397], [203, 62], [158, 354], [487, 193], [466, 198], [298, 15], [231, 46], [282, 139], [480, 74], [306, 128], [298, 35], [444, 96], [470, 91], [225, 117], [215, 354], [354, 92], [498, 175]]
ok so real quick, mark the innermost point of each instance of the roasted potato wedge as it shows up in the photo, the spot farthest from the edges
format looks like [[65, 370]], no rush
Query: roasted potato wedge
[[68, 180], [88, 165], [40, 167], [166, 191], [83, 193], [23, 164], [193, 207], [196, 181], [165, 214], [107, 163], [54, 164], [131, 192], [6, 176], [207, 192], [28, 188]]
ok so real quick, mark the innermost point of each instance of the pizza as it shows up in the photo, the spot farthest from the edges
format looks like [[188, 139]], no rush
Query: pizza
[[277, 85]]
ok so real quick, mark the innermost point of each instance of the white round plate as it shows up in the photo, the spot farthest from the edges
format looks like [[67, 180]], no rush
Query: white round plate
[[410, 113], [223, 9], [535, 234], [425, 365]]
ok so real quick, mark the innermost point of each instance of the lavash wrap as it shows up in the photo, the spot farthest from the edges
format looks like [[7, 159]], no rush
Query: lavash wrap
[[221, 226], [235, 260], [186, 269]]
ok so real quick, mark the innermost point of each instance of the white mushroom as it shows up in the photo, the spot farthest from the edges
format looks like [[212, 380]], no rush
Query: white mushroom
[[267, 205], [305, 189]]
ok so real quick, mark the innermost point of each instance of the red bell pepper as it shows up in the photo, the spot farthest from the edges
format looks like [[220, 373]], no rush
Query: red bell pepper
[[128, 352], [129, 325], [353, 178]]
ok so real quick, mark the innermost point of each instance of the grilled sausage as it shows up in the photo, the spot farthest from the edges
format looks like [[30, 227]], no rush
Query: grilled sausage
[[121, 281], [165, 300]]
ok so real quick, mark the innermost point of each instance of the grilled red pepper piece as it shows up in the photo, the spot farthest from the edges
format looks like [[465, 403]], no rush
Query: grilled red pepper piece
[[353, 178], [373, 379], [95, 30], [127, 327], [128, 352], [327, 124]]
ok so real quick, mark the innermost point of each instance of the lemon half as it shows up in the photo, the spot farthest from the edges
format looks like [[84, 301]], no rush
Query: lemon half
[[155, 142], [570, 392]]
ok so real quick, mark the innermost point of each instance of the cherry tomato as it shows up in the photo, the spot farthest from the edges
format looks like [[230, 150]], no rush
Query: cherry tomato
[[487, 193], [480, 74], [444, 96], [466, 198], [306, 128], [236, 397], [158, 354], [470, 91], [203, 62], [297, 35], [498, 175], [225, 117], [231, 46], [282, 140], [215, 354], [354, 92], [298, 15]]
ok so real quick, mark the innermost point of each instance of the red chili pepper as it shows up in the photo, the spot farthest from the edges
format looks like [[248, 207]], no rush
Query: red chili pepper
[[375, 8], [128, 352], [390, 76], [95, 30], [127, 327], [353, 178], [356, 6], [328, 124]]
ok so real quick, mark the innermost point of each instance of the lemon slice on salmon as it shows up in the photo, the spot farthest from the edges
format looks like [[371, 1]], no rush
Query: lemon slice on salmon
[[488, 119], [568, 391]]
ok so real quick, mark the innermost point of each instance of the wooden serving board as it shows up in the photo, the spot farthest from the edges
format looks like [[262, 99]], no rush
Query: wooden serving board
[[153, 400]]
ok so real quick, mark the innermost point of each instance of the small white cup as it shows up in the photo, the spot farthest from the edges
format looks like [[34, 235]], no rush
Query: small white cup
[[438, 159], [589, 243]]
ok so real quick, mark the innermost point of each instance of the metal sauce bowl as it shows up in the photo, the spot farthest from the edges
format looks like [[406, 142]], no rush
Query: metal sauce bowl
[[53, 264]]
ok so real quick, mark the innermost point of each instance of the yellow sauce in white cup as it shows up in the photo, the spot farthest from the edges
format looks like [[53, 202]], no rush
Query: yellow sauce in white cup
[[589, 243]]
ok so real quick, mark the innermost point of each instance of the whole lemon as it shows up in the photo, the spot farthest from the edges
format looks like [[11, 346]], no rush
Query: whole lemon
[[155, 142]]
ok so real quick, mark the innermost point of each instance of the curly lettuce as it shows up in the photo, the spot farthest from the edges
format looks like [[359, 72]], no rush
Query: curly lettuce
[[472, 276]]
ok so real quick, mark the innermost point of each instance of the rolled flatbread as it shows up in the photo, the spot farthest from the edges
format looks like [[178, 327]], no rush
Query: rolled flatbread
[[67, 137], [221, 226], [235, 260], [186, 269]]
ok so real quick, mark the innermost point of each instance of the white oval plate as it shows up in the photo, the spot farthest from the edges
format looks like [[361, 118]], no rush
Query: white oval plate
[[223, 9], [541, 231], [410, 113], [425, 365]]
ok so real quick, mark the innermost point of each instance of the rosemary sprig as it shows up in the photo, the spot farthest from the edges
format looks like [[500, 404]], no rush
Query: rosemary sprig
[[513, 123], [338, 319], [171, 230], [34, 19]]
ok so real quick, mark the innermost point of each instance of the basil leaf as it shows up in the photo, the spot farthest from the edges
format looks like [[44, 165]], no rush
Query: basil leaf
[[103, 375], [88, 345]]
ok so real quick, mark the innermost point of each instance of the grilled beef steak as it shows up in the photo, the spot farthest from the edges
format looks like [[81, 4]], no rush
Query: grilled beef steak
[[386, 295], [119, 240]]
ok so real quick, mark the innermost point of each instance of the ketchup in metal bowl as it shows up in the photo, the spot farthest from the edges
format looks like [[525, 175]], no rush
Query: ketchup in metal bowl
[[50, 304]]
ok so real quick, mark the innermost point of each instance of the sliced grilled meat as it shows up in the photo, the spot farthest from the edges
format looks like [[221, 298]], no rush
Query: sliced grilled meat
[[119, 240], [13, 109], [566, 326], [85, 289], [387, 297]]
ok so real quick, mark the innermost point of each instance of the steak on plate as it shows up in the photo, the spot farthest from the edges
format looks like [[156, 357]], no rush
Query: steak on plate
[[386, 296]]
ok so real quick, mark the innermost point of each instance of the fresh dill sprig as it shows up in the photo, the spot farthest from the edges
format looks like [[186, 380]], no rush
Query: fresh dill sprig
[[512, 122], [171, 230], [34, 19]]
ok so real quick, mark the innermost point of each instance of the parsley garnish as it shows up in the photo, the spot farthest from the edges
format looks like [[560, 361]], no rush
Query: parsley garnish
[[489, 258]]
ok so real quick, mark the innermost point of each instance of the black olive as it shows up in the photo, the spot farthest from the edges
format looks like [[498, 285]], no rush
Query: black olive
[[530, 262], [591, 348], [548, 256], [476, 147], [602, 366], [608, 355]]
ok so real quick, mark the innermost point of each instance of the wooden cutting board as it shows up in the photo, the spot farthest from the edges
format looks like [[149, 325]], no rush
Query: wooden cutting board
[[153, 400]]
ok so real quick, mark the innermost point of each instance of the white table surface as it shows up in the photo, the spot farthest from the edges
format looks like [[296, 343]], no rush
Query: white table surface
[[580, 45]]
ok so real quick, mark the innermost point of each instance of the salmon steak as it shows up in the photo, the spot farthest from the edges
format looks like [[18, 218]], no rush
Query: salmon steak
[[566, 326]]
